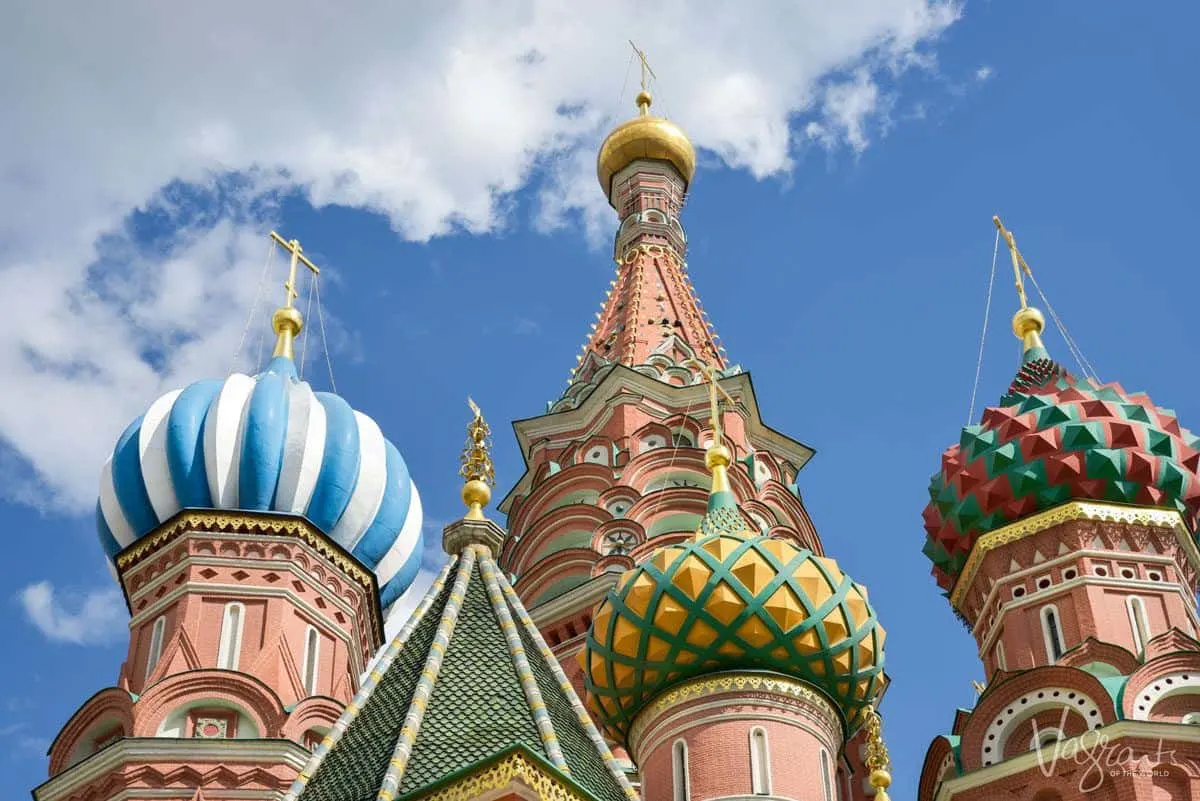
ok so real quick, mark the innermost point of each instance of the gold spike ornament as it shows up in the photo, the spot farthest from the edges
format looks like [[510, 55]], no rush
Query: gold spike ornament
[[878, 761], [477, 466]]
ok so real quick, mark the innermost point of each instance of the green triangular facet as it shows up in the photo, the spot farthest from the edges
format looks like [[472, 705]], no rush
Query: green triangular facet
[[1081, 436], [1132, 411], [966, 514], [1172, 479], [1052, 416], [1053, 496], [1033, 403], [1002, 458], [1122, 491], [1106, 463], [1027, 478], [1159, 443]]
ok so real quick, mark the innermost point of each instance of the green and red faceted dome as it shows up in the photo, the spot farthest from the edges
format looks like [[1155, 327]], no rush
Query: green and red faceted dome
[[1052, 439]]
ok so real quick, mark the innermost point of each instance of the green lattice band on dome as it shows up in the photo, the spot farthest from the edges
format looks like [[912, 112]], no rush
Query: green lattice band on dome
[[723, 602]]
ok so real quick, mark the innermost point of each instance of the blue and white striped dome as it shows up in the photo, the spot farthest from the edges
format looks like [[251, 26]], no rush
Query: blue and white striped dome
[[266, 443]]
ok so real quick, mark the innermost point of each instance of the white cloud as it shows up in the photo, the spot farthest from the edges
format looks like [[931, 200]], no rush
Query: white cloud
[[430, 116], [984, 73], [95, 617]]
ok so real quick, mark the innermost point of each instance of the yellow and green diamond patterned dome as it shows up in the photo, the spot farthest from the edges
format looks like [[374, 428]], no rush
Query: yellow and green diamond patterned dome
[[730, 599]]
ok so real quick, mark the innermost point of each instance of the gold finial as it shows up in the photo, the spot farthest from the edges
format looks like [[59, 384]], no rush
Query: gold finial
[[717, 458], [643, 97], [1028, 323], [878, 761], [979, 686], [287, 320], [477, 466]]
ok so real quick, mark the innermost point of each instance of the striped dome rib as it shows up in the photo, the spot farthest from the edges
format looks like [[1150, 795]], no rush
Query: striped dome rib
[[267, 443]]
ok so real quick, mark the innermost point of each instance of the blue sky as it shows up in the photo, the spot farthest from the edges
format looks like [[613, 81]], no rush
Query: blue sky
[[846, 268]]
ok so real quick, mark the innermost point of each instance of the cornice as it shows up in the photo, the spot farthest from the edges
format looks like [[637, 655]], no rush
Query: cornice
[[980, 777], [184, 751], [1065, 513], [261, 524], [737, 683], [570, 422]]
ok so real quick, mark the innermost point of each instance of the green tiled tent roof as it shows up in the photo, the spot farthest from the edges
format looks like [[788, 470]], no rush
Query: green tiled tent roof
[[467, 678]]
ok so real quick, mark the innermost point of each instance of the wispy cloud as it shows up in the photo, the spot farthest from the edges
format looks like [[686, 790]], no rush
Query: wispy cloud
[[93, 617], [524, 326], [407, 116], [984, 73]]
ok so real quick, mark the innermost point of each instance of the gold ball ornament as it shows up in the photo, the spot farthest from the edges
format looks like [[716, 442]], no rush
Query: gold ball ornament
[[287, 319], [476, 493], [1028, 321]]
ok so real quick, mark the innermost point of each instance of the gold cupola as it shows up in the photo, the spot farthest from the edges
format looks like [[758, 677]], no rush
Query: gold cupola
[[644, 137]]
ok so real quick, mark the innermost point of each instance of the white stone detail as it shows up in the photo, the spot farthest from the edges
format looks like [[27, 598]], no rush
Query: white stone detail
[[1021, 709]]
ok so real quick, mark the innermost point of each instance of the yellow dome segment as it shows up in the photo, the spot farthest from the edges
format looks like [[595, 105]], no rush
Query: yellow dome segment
[[645, 137]]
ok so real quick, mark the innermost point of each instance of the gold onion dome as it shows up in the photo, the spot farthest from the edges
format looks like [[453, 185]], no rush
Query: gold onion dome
[[731, 599], [645, 137]]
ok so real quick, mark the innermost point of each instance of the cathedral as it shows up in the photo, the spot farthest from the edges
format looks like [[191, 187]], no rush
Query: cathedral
[[659, 618]]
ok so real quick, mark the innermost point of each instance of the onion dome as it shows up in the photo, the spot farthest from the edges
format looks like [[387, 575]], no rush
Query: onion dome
[[731, 599], [267, 443], [1054, 438], [644, 137]]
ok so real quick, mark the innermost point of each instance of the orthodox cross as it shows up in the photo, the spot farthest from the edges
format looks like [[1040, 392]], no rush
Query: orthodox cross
[[476, 457], [1018, 261], [298, 257], [714, 388], [641, 54]]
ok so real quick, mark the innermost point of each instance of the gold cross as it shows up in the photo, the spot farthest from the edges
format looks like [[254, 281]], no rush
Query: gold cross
[[1018, 261], [645, 66], [713, 388], [298, 257]]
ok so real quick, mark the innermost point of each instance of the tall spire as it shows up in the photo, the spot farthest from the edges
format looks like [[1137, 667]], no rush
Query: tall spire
[[1028, 323], [287, 320], [645, 166]]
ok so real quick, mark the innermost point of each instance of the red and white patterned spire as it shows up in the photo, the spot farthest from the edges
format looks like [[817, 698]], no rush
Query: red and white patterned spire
[[645, 166]]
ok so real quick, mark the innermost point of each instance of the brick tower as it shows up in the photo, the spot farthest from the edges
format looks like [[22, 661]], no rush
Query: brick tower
[[615, 471], [259, 530], [1063, 529]]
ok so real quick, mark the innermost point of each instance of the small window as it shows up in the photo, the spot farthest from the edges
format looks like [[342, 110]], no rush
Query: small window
[[1101, 570], [1138, 622], [1154, 575], [826, 777], [230, 649], [156, 644], [596, 455], [1052, 632], [760, 762], [1069, 574], [1044, 737], [679, 771], [1127, 572], [618, 508], [312, 656], [1043, 582], [1018, 592], [681, 439], [652, 442]]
